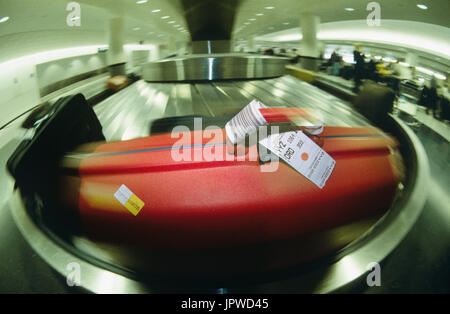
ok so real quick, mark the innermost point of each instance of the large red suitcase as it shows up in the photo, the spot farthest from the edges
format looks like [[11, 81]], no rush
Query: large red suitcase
[[202, 204], [210, 217]]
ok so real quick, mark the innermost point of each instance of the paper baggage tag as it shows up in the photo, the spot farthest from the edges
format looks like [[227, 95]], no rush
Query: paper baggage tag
[[249, 119], [128, 199], [245, 122], [301, 153]]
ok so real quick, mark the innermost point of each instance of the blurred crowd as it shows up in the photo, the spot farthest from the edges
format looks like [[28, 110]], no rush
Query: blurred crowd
[[402, 78], [431, 94]]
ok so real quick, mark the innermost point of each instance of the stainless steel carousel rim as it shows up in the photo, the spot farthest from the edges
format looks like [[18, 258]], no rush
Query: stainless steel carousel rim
[[390, 231], [209, 67]]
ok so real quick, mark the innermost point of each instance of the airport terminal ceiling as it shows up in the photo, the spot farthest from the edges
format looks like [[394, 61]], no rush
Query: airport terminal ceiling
[[145, 22], [224, 147]]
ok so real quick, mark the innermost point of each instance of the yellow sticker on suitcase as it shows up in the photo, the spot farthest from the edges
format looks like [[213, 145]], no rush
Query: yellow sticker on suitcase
[[129, 200]]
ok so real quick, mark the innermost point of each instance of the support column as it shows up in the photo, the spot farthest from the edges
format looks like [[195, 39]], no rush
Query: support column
[[116, 55], [172, 45], [411, 59], [251, 44], [309, 24]]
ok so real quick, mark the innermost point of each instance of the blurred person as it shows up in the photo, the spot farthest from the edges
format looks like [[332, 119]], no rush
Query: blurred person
[[372, 70], [433, 82], [445, 105], [335, 63], [429, 98], [358, 72]]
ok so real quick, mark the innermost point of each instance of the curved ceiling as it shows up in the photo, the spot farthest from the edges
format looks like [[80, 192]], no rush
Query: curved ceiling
[[39, 25], [430, 38], [285, 14]]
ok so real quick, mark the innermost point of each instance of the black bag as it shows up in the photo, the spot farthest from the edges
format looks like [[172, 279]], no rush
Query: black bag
[[375, 101], [69, 123]]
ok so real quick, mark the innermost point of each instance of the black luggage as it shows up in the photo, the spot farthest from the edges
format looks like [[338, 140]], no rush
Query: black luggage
[[67, 124], [375, 101]]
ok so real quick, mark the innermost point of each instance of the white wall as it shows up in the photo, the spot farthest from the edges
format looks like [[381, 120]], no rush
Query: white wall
[[61, 69], [19, 87], [22, 77]]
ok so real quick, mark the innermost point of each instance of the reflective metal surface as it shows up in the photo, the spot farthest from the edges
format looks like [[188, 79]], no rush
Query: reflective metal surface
[[210, 67], [211, 46], [129, 113]]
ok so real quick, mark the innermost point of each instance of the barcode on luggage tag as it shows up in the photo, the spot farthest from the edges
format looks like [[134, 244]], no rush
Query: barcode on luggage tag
[[129, 200], [245, 122]]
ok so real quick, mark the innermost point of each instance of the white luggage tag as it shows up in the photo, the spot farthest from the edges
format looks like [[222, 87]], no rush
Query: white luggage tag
[[302, 154]]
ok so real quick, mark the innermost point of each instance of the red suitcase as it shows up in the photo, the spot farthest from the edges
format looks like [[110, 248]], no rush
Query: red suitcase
[[220, 217]]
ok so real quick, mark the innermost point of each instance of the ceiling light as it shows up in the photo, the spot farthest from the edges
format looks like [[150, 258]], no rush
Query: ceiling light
[[141, 1], [422, 6], [136, 28], [286, 23], [165, 17], [424, 70], [349, 9], [246, 23], [259, 14], [177, 25], [156, 10], [252, 19], [4, 19], [269, 8], [171, 22]]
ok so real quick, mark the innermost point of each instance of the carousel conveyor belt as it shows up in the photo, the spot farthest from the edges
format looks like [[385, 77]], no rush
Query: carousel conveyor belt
[[129, 113]]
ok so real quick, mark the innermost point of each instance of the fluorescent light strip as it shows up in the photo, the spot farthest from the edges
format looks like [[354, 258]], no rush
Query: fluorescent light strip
[[431, 73], [424, 70]]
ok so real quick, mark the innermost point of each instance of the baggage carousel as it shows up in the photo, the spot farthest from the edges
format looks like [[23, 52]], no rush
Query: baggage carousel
[[40, 258]]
